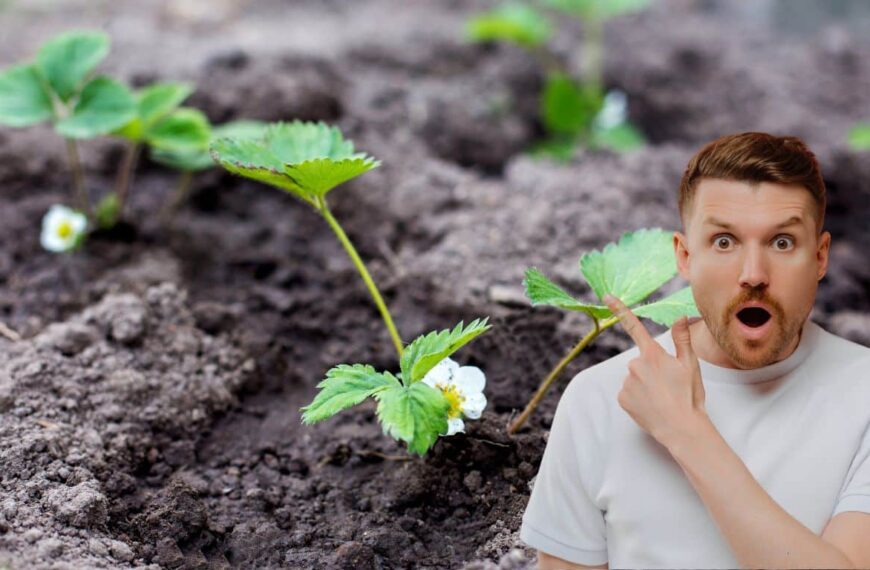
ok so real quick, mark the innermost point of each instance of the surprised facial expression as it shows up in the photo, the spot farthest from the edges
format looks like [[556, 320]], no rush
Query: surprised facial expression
[[754, 258]]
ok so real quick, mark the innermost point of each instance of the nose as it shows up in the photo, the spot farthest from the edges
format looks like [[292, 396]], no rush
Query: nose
[[754, 272]]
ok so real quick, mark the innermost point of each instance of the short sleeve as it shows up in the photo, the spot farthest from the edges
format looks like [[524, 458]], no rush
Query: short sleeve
[[855, 495], [561, 518]]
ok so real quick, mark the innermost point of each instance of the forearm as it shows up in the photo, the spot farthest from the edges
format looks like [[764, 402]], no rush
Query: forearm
[[760, 532]]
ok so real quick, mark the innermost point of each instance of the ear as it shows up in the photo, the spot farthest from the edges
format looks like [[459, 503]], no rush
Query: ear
[[681, 252], [822, 253]]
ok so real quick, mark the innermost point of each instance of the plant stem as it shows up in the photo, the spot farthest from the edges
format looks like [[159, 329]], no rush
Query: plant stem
[[125, 174], [351, 251], [548, 60], [545, 385], [177, 197], [75, 164], [593, 51]]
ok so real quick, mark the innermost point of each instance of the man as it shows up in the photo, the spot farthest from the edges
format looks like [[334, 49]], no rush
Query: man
[[740, 439]]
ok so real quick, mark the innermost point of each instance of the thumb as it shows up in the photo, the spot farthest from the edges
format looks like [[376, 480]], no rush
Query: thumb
[[683, 341]]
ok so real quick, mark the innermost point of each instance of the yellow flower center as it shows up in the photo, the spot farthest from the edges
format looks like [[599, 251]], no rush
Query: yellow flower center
[[64, 230], [455, 398]]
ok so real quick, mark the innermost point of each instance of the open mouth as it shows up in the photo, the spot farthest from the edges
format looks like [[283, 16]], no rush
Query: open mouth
[[753, 317]]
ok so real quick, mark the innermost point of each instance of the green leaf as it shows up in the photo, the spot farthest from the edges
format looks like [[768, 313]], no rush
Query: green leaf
[[184, 130], [415, 414], [196, 160], [560, 149], [319, 176], [597, 9], [542, 291], [621, 138], [298, 142], [639, 264], [859, 137], [66, 60], [426, 351], [157, 101], [308, 159], [104, 105], [107, 211], [345, 386], [23, 100], [516, 23], [252, 160], [666, 311], [569, 107]]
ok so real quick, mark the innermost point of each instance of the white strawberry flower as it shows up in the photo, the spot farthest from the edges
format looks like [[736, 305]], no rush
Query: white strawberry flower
[[614, 112], [463, 388], [62, 228]]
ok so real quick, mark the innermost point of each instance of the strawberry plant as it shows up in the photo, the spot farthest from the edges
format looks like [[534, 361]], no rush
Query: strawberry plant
[[574, 110], [630, 270]]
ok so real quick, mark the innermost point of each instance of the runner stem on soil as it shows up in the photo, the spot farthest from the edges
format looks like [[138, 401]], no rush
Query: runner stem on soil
[[545, 385]]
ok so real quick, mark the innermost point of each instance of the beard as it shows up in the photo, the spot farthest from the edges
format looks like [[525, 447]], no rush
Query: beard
[[750, 353]]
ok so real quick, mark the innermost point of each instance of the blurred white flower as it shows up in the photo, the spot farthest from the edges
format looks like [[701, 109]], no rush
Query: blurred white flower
[[62, 228], [463, 388], [614, 112]]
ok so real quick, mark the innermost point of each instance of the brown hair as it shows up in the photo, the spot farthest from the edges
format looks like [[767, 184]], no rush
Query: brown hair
[[754, 158]]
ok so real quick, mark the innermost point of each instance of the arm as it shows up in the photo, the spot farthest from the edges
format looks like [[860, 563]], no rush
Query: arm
[[547, 562], [760, 532]]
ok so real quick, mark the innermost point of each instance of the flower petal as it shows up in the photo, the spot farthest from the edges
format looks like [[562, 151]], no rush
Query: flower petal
[[474, 405], [79, 222], [470, 380], [441, 373], [454, 426]]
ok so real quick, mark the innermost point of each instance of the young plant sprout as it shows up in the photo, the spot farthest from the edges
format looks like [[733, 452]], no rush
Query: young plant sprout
[[428, 398], [630, 270], [160, 123], [58, 87], [574, 111], [63, 229], [191, 161], [307, 160]]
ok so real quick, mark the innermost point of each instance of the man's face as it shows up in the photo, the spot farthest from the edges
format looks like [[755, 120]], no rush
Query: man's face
[[735, 251]]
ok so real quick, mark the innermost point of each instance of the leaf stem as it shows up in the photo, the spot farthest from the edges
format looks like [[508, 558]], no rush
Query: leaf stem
[[593, 51], [354, 256], [125, 174], [178, 197], [551, 377], [81, 192]]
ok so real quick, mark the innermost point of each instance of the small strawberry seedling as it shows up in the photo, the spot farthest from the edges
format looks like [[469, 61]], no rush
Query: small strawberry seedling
[[59, 87], [307, 160], [630, 270], [575, 111]]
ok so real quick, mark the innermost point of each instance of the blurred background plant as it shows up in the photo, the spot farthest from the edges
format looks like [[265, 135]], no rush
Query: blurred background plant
[[859, 136], [574, 109]]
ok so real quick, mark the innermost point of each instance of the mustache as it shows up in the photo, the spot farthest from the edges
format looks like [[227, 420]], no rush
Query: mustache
[[760, 297]]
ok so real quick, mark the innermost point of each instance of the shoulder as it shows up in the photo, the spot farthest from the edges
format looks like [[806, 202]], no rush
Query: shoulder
[[837, 351]]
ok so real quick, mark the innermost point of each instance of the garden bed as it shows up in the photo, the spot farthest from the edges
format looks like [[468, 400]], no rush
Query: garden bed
[[149, 412]]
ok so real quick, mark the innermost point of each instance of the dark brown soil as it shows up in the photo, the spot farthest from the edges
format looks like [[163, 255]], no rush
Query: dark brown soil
[[149, 415]]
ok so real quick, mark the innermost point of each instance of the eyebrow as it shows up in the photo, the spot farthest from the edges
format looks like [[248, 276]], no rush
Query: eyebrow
[[794, 220]]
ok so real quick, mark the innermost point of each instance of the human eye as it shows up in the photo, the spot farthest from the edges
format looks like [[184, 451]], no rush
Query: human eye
[[783, 238], [719, 239]]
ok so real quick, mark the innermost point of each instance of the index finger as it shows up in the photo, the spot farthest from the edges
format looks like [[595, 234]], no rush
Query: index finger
[[630, 323]]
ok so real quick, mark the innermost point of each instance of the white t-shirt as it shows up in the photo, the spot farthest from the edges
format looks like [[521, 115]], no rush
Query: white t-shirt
[[607, 491]]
